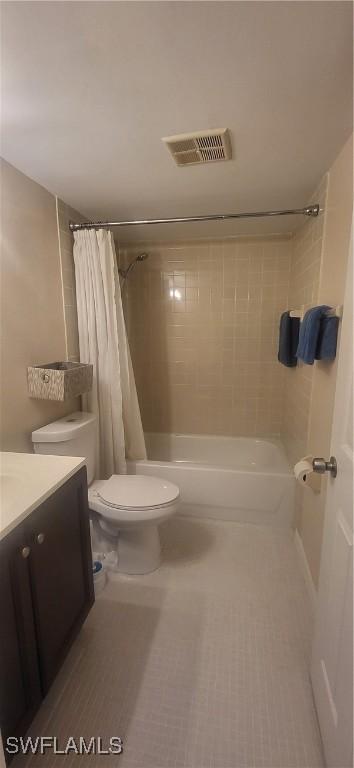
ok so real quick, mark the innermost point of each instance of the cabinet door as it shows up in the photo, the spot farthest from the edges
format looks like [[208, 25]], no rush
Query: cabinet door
[[19, 673], [61, 572]]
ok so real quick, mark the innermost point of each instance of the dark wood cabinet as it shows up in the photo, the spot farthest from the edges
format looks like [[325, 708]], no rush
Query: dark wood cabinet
[[60, 567], [46, 592], [20, 691]]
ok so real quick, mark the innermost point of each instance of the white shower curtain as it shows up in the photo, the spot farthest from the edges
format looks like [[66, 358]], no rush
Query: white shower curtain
[[103, 342]]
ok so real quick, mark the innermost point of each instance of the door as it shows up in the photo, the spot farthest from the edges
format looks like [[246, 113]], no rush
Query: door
[[19, 674], [61, 572], [332, 653]]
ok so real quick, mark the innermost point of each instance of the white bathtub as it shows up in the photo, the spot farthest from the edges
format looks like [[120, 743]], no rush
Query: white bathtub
[[226, 478]]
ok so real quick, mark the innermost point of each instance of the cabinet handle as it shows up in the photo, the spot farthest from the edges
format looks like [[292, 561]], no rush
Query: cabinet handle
[[25, 552], [40, 538]]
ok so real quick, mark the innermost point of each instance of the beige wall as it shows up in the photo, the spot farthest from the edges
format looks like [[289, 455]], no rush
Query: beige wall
[[66, 242], [317, 276], [331, 291], [203, 326], [32, 318], [305, 267]]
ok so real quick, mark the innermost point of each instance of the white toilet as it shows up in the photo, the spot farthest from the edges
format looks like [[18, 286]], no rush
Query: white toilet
[[129, 507]]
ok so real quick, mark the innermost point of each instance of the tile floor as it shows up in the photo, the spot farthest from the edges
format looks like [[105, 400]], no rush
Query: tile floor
[[202, 664]]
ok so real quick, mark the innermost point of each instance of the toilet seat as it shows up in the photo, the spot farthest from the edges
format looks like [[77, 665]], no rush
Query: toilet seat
[[120, 499], [137, 492]]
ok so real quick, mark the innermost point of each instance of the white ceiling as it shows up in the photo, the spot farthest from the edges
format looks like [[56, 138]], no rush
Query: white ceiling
[[89, 89]]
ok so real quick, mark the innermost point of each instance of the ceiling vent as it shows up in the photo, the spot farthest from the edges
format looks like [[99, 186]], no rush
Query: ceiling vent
[[201, 147]]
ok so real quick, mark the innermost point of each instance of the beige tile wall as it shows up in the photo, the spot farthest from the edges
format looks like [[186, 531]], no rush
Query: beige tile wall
[[66, 242], [305, 266], [338, 219], [317, 275], [203, 326]]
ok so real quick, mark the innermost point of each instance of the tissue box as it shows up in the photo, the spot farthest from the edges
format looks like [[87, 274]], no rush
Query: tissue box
[[59, 381]]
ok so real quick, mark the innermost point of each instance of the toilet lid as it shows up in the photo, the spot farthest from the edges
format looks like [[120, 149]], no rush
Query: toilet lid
[[137, 491]]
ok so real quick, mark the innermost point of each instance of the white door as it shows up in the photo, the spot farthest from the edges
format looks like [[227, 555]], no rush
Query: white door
[[332, 653]]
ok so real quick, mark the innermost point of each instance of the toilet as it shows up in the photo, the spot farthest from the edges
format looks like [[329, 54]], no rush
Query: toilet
[[129, 508]]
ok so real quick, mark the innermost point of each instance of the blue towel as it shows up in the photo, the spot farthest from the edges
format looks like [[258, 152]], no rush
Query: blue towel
[[318, 337], [288, 339], [327, 339]]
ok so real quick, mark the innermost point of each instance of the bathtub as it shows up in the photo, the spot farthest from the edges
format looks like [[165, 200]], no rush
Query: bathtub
[[226, 478]]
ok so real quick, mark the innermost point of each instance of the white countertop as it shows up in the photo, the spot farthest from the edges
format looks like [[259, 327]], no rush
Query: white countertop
[[27, 479]]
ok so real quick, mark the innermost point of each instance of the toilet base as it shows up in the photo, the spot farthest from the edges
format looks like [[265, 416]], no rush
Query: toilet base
[[138, 550]]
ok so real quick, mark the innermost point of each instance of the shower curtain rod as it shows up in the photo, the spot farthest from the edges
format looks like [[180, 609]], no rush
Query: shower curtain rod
[[309, 210]]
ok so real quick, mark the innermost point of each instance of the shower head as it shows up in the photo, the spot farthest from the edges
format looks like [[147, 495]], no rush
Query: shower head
[[125, 272]]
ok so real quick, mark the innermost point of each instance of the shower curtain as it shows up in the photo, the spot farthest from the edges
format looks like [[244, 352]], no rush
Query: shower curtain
[[103, 342]]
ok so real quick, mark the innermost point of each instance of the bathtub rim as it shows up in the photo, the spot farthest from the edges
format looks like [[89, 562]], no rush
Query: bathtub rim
[[190, 465], [275, 441], [219, 499]]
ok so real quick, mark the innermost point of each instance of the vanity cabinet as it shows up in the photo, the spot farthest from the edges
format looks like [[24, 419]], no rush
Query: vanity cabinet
[[20, 690], [46, 592]]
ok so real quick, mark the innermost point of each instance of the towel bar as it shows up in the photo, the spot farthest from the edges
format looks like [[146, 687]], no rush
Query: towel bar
[[334, 312]]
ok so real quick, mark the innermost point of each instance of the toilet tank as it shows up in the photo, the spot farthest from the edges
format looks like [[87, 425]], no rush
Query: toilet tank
[[73, 435]]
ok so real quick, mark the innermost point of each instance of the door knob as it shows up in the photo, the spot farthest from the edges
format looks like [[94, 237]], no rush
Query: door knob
[[40, 538], [25, 552], [321, 466]]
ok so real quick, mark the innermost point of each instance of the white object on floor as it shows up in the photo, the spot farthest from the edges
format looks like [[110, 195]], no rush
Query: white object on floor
[[129, 508], [99, 577], [332, 654], [226, 478]]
